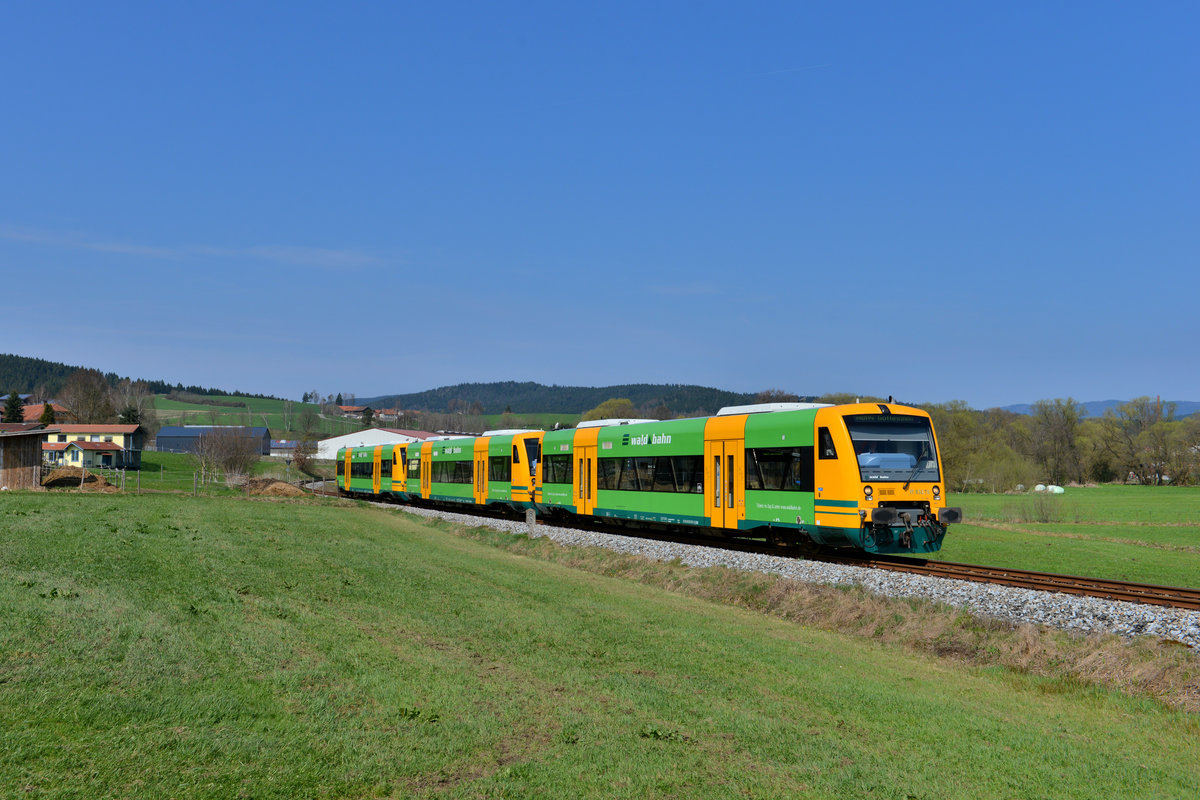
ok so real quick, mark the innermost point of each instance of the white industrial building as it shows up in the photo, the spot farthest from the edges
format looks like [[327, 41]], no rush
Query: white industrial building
[[327, 448]]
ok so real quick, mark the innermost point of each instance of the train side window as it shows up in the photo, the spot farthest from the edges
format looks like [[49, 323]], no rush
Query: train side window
[[499, 469], [827, 450]]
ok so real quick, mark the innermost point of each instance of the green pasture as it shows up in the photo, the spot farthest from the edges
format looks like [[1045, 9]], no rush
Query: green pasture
[[544, 422], [1110, 503], [252, 412], [1145, 534], [215, 647]]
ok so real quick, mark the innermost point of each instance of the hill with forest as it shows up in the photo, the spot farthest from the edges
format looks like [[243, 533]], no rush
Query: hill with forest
[[536, 398], [25, 375]]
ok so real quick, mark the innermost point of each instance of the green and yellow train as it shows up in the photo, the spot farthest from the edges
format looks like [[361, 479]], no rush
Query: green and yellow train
[[865, 476]]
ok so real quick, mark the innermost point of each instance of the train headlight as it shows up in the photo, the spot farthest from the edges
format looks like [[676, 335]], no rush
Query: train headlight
[[937, 491], [868, 491]]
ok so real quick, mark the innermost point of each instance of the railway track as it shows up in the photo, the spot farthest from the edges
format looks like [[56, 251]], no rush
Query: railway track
[[1149, 594], [1172, 596]]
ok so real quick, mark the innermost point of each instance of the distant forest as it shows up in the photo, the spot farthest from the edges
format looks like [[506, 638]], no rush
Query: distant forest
[[25, 375], [537, 398]]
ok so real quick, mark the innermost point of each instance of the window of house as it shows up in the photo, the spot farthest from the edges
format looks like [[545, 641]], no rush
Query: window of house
[[62, 437]]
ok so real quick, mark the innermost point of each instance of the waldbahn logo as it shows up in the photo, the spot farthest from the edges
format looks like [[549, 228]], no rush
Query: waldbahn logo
[[646, 438]]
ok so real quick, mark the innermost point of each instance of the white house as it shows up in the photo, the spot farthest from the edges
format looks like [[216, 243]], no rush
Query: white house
[[327, 448]]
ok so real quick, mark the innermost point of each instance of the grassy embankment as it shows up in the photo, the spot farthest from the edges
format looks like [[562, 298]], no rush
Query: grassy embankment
[[217, 647], [1145, 534]]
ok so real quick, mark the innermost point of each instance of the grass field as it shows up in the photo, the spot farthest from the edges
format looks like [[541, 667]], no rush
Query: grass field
[[249, 411], [170, 646], [1136, 533]]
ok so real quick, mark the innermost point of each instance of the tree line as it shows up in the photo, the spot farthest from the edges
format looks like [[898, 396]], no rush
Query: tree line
[[1141, 441]]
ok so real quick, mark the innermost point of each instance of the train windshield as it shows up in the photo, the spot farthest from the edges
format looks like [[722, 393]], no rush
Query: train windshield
[[893, 447]]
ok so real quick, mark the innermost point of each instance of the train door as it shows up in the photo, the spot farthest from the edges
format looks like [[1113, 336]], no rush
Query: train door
[[426, 469], [585, 479], [399, 468], [481, 470], [346, 470], [725, 482], [376, 466], [725, 471]]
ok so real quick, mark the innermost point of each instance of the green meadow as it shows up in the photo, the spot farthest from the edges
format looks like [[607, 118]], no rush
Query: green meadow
[[1145, 534], [252, 412], [168, 646]]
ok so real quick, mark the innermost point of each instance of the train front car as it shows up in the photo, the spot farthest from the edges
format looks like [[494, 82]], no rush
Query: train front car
[[878, 479]]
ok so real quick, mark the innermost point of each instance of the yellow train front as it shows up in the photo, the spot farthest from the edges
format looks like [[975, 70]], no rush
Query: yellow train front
[[879, 485]]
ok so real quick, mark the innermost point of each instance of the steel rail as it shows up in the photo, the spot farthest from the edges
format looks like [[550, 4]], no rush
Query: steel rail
[[1150, 594]]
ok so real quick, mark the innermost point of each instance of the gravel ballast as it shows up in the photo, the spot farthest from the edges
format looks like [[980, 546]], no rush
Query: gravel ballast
[[1084, 614]]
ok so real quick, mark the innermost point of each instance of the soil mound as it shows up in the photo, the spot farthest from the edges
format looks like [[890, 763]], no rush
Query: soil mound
[[273, 488], [68, 478]]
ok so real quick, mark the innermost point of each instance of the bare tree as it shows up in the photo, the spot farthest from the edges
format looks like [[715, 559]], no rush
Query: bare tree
[[134, 402], [86, 396], [304, 457], [308, 419], [232, 450], [1054, 439]]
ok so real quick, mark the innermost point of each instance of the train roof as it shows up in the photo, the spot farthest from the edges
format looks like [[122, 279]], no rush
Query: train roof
[[766, 408], [605, 423]]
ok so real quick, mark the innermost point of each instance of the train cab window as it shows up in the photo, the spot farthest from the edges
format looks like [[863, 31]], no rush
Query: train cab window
[[825, 444], [533, 449], [893, 447], [341, 467], [516, 457]]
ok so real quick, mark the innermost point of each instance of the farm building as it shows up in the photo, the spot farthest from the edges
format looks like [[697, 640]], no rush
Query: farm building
[[283, 448], [184, 438], [327, 448], [21, 456]]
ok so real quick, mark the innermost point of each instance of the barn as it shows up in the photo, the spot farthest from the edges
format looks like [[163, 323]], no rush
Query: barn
[[183, 438], [21, 456]]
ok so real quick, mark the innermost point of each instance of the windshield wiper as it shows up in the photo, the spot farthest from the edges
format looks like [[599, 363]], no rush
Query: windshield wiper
[[917, 468]]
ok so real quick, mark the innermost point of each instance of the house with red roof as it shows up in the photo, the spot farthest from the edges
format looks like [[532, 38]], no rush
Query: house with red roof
[[33, 412], [88, 446]]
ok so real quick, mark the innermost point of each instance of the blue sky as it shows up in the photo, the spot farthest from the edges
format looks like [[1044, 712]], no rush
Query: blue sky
[[936, 201]]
